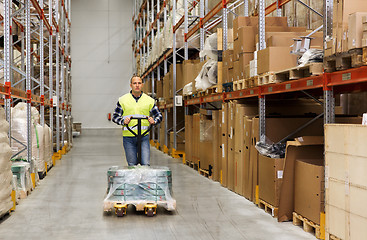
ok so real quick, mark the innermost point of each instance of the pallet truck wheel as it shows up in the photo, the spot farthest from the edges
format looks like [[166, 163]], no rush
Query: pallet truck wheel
[[150, 209], [150, 213], [120, 212], [120, 209]]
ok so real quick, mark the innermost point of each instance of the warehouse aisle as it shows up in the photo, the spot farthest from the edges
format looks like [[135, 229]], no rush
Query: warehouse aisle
[[68, 203]]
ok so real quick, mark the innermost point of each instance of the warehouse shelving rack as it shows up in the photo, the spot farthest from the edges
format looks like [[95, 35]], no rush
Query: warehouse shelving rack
[[202, 23], [209, 20], [32, 17]]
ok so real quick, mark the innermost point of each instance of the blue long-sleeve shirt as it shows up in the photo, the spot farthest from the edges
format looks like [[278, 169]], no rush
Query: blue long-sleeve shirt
[[118, 114]]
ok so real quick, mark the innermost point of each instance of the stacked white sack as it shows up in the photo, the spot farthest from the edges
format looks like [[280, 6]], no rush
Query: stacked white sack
[[19, 132], [6, 174]]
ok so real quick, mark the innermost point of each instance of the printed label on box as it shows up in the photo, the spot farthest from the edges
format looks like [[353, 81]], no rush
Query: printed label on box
[[280, 174]]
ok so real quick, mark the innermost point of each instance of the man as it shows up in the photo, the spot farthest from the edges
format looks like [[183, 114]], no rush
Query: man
[[136, 103]]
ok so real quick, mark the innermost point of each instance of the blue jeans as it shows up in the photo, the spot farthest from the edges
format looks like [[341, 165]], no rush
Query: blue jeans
[[131, 150]]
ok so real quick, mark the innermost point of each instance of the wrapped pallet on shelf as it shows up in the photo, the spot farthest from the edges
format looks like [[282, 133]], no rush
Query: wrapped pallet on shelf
[[6, 174], [19, 132], [23, 172]]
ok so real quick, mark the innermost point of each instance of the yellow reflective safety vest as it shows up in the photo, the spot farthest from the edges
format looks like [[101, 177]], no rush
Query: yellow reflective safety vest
[[131, 107]]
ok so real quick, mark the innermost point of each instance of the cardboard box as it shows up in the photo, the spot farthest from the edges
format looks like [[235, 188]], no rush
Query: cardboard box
[[285, 39], [247, 180], [231, 142], [217, 138], [188, 137], [244, 60], [254, 158], [301, 148], [342, 9], [236, 71], [309, 188], [206, 142], [270, 179], [231, 60], [189, 71], [238, 126], [345, 180], [230, 75], [167, 86], [238, 172], [241, 21], [268, 59], [196, 138], [355, 29], [247, 36], [224, 141], [225, 72], [226, 58], [159, 85], [179, 76], [246, 72]]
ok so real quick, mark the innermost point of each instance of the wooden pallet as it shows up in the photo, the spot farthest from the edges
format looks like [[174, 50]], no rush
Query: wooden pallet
[[266, 78], [308, 226], [252, 82], [345, 60], [239, 85], [312, 69], [204, 173], [273, 211], [331, 237]]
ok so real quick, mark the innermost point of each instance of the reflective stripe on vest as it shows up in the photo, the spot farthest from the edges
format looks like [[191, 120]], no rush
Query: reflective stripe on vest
[[131, 107]]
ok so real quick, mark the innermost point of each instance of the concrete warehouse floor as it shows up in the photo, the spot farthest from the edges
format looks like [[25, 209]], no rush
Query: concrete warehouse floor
[[68, 203]]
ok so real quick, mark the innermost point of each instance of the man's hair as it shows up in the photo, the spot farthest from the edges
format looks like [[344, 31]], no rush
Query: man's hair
[[135, 76]]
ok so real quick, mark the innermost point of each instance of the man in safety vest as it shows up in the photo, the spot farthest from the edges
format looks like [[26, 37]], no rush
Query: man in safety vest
[[136, 103]]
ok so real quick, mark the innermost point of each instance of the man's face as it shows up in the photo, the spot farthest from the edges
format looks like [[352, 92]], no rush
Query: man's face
[[136, 84]]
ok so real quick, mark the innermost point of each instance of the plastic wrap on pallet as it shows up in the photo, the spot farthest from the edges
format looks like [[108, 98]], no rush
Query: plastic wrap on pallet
[[206, 130], [187, 90], [48, 146], [5, 166], [139, 185], [22, 170], [15, 188], [38, 148], [210, 48], [19, 132], [310, 56], [271, 149], [207, 76]]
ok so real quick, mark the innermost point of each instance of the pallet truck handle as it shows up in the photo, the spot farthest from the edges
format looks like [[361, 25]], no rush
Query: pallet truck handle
[[139, 118]]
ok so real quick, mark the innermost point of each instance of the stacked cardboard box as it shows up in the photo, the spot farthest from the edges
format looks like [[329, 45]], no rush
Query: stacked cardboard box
[[355, 29], [364, 34], [159, 85], [190, 70], [206, 142], [217, 159], [188, 137], [196, 139], [345, 181], [224, 141], [341, 11]]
